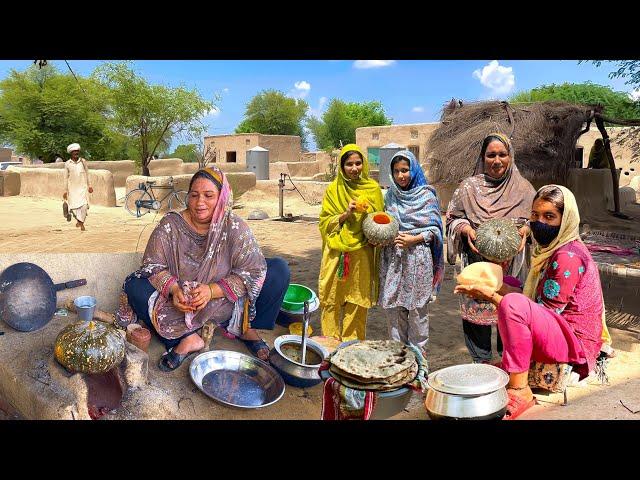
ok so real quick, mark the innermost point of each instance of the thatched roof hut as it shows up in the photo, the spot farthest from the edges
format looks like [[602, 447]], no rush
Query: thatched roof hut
[[543, 134]]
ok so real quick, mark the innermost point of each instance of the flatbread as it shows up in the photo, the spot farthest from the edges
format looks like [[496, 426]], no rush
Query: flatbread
[[408, 376], [481, 273], [364, 381], [374, 360]]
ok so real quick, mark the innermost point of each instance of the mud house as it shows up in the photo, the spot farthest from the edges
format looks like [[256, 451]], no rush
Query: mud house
[[413, 136], [233, 148]]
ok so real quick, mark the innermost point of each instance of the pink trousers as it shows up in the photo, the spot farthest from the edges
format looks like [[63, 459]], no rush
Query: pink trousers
[[531, 331]]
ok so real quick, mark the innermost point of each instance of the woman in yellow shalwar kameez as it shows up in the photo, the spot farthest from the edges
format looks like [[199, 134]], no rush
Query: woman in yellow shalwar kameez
[[348, 272]]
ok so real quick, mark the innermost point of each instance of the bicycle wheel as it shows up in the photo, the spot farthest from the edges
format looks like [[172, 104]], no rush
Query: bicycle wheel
[[130, 202], [178, 200]]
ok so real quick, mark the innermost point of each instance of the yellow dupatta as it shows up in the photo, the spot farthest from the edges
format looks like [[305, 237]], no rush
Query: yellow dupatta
[[336, 201]]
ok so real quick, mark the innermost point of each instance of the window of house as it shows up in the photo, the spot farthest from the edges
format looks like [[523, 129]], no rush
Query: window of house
[[247, 141], [375, 136], [414, 134], [231, 157]]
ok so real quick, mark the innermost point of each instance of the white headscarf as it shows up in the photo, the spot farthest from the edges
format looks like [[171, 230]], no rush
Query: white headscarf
[[73, 147]]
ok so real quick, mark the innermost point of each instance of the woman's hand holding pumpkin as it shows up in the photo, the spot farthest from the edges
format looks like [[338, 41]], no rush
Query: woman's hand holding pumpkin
[[471, 238], [524, 233], [404, 240]]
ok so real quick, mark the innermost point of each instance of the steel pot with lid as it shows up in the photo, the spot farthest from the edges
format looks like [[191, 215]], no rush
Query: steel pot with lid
[[467, 392]]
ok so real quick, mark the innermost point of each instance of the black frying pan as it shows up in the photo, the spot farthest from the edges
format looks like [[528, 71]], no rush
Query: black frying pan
[[28, 296]]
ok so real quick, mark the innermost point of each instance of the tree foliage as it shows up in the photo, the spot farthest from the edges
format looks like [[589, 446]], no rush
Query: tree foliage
[[188, 152], [616, 104], [42, 111], [339, 122], [271, 112], [151, 115]]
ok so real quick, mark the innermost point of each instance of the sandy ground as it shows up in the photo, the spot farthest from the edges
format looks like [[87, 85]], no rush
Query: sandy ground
[[37, 225]]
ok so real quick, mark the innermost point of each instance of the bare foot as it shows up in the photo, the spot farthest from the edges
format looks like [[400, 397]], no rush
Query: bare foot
[[189, 344], [82, 227], [524, 393]]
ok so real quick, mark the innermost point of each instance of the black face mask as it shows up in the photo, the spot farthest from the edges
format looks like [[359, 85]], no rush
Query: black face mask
[[543, 233]]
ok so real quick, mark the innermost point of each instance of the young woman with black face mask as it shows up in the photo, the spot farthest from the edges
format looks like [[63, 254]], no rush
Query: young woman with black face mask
[[559, 316]]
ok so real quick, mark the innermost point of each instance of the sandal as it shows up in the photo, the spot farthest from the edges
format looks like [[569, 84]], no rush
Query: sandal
[[256, 346], [517, 405], [171, 360]]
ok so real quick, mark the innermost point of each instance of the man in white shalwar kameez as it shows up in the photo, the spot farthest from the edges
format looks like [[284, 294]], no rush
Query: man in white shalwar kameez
[[77, 185]]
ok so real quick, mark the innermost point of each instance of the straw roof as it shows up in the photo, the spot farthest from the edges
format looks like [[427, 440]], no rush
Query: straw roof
[[543, 134]]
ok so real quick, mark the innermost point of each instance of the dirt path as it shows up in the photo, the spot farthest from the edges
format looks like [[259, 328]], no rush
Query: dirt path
[[37, 225]]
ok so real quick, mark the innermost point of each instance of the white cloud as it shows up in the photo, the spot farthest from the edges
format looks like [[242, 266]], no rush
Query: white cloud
[[301, 89], [214, 112], [373, 63], [417, 109], [225, 90], [499, 79], [317, 112], [635, 94]]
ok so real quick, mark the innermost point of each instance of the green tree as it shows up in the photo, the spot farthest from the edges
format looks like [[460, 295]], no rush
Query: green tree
[[188, 153], [42, 111], [271, 112], [616, 104], [339, 122], [629, 69], [151, 115]]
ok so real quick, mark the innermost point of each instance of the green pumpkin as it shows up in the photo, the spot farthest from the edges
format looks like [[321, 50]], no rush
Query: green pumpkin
[[380, 228], [498, 240], [89, 347]]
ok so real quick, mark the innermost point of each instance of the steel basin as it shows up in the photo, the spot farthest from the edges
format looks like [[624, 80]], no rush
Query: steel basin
[[236, 379], [388, 403]]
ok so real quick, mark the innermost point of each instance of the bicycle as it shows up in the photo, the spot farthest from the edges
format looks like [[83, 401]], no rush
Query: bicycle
[[142, 200]]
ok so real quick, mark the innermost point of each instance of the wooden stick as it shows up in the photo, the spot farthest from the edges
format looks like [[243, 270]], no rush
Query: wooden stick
[[207, 334], [97, 314], [612, 163]]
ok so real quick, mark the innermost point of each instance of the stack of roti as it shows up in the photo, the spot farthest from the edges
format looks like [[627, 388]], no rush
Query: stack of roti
[[374, 365]]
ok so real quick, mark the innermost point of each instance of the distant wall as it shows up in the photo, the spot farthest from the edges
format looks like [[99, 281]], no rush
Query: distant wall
[[49, 183], [120, 169], [240, 182], [9, 183]]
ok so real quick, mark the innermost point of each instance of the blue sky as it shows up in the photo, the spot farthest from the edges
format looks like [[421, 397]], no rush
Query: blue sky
[[412, 91]]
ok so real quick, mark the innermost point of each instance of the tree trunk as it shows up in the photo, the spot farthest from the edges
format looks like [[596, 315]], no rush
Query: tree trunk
[[612, 163]]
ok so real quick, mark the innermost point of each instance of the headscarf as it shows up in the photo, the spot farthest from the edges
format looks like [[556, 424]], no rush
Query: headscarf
[[336, 201], [569, 231], [481, 197], [73, 147], [417, 210]]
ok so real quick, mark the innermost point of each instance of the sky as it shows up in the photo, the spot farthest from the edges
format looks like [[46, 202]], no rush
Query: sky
[[411, 91]]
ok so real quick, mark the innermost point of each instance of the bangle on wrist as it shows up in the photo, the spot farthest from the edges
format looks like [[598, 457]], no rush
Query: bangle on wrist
[[211, 290]]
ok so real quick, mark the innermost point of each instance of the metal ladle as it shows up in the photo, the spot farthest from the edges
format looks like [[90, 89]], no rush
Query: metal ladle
[[305, 325]]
